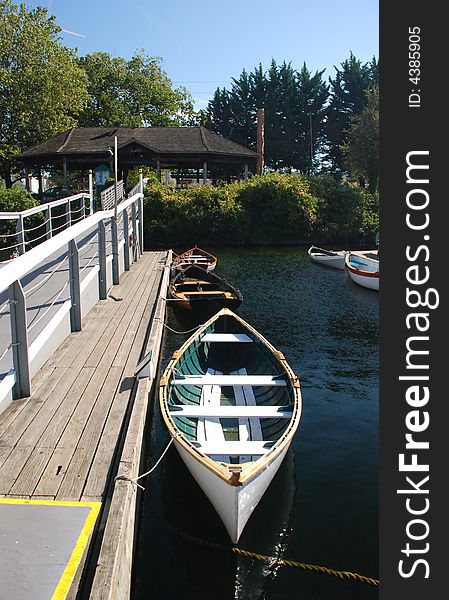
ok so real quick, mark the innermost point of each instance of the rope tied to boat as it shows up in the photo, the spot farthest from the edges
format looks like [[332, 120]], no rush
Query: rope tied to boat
[[182, 332], [136, 480], [281, 561]]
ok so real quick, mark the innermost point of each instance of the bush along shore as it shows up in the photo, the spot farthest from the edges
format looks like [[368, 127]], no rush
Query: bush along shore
[[273, 209]]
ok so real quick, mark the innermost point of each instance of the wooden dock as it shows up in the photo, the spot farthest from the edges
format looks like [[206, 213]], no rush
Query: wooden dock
[[64, 442]]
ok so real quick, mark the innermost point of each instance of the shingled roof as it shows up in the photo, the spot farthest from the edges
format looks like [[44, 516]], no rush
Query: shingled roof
[[163, 142]]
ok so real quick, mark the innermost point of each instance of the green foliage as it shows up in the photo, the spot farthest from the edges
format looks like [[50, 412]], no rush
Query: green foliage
[[347, 99], [42, 88], [294, 103], [14, 199], [132, 93], [362, 148], [273, 209]]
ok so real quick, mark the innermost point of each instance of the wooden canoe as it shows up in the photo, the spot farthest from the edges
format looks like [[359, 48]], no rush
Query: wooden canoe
[[196, 290], [232, 404], [195, 256]]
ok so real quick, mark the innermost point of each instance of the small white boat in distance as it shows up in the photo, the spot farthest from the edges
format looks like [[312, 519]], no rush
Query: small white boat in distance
[[328, 258], [363, 268], [232, 404]]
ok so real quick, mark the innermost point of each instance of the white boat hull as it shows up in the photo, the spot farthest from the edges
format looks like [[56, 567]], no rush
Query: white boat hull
[[370, 282], [234, 504], [335, 260]]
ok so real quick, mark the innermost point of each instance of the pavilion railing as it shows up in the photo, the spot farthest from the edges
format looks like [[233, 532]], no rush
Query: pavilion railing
[[107, 196]]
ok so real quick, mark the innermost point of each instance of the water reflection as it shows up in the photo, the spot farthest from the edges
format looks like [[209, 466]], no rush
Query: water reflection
[[327, 328]]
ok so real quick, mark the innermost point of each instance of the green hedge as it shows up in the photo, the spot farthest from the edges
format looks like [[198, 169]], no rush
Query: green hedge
[[273, 209]]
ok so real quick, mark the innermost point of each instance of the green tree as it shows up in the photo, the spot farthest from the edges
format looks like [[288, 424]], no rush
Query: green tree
[[132, 93], [347, 99], [42, 88], [362, 148], [291, 100]]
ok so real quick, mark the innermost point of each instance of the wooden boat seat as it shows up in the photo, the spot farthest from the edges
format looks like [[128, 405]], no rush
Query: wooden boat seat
[[254, 380], [226, 337], [230, 412], [239, 448], [210, 429], [249, 428]]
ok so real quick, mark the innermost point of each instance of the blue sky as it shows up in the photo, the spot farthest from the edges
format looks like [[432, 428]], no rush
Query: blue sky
[[206, 42]]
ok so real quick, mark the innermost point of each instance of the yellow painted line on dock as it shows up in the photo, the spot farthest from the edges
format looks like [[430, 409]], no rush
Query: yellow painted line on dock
[[66, 579]]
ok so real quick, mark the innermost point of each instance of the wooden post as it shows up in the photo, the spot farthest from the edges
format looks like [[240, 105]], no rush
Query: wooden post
[[115, 257], [136, 233], [260, 140], [48, 227], [141, 181], [158, 169], [27, 180], [64, 169], [205, 173], [41, 190]]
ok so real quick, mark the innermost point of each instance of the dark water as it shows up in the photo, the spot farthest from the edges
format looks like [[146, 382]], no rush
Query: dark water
[[322, 506]]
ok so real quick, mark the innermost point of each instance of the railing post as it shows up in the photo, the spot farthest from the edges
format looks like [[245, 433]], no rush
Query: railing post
[[19, 340], [141, 224], [91, 192], [69, 214], [135, 232], [48, 227], [115, 270], [126, 236], [141, 181], [102, 288], [83, 207], [20, 235], [75, 291]]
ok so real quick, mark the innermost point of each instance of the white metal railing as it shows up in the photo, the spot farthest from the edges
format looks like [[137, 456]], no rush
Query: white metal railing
[[129, 215], [107, 196], [17, 243]]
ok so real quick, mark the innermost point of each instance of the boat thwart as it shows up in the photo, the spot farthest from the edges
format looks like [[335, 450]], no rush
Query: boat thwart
[[232, 404]]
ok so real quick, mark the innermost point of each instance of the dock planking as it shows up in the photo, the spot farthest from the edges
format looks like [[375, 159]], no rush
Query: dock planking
[[60, 442]]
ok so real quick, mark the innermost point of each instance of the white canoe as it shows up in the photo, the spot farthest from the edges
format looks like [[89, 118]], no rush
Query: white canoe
[[363, 268], [232, 441], [328, 258]]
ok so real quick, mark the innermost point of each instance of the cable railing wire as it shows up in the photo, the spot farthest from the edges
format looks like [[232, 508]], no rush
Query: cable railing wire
[[37, 320], [41, 283]]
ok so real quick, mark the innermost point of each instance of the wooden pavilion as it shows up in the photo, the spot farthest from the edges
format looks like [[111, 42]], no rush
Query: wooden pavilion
[[195, 151]]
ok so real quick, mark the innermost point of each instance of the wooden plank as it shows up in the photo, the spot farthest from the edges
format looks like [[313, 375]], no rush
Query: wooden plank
[[11, 467], [100, 467], [112, 579], [25, 483], [75, 478], [11, 436]]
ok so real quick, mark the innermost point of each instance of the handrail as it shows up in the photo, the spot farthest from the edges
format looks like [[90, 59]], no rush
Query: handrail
[[42, 207], [24, 263], [11, 274]]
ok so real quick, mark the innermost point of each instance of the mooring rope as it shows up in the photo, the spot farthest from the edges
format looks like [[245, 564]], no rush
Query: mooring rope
[[280, 561], [135, 481], [182, 332]]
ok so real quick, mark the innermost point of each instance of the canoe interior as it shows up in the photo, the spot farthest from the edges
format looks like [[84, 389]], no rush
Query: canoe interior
[[196, 284], [229, 358]]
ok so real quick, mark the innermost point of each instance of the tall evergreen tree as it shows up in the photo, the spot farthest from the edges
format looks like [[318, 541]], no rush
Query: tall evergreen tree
[[347, 99], [362, 148], [289, 99]]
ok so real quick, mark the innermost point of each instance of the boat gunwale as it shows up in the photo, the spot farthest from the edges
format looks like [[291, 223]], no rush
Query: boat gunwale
[[361, 272], [226, 471], [178, 260]]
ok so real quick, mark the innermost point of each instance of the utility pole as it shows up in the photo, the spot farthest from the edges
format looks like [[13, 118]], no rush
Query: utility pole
[[260, 140]]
